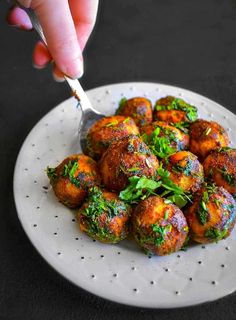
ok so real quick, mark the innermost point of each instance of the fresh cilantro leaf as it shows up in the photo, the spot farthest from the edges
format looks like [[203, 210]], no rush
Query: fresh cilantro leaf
[[179, 200], [160, 145], [139, 188], [179, 104]]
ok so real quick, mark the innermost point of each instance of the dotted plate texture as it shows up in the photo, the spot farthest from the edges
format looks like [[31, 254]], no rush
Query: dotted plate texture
[[121, 272]]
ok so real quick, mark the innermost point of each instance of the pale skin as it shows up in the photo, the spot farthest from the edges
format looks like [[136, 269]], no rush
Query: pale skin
[[67, 25]]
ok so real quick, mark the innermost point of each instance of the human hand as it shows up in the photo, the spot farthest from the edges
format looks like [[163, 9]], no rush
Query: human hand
[[67, 26]]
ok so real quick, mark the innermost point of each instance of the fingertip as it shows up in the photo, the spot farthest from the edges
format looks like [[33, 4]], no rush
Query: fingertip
[[57, 74], [17, 17], [74, 68], [41, 55]]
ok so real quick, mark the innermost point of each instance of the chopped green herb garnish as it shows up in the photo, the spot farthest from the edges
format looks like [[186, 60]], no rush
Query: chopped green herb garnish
[[160, 232], [69, 171], [179, 104], [227, 176], [224, 149], [121, 105], [139, 188], [166, 215], [112, 123], [215, 234], [126, 120], [202, 213], [160, 145], [98, 204], [183, 126], [51, 173], [207, 131], [218, 202]]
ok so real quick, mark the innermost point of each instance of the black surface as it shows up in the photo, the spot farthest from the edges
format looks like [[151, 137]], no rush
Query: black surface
[[187, 43]]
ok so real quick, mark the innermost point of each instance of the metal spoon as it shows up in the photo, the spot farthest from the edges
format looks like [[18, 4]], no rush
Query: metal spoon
[[89, 114]]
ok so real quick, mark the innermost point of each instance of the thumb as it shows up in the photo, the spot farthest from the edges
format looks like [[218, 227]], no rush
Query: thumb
[[60, 33]]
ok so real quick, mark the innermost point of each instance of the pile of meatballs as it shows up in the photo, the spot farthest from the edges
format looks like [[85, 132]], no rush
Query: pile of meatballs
[[134, 143]]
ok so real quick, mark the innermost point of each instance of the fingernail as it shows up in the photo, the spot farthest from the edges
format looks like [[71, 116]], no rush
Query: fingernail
[[76, 69], [39, 67], [57, 79]]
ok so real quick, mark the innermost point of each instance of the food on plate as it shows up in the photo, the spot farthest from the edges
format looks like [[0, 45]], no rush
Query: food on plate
[[220, 168], [212, 215], [206, 136], [71, 179], [185, 170], [159, 227], [138, 108], [174, 110], [125, 158], [104, 217], [148, 171], [164, 139], [106, 130]]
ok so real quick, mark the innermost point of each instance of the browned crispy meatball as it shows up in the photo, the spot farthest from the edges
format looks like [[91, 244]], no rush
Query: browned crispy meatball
[[105, 131], [185, 170], [174, 110], [206, 136], [125, 158], [139, 108], [159, 228], [220, 168], [212, 215], [164, 139], [104, 217], [71, 179]]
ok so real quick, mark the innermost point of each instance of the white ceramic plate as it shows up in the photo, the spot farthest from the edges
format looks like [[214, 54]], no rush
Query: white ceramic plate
[[122, 272]]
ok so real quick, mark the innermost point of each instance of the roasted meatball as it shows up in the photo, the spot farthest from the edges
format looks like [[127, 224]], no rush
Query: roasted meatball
[[206, 136], [139, 108], [212, 215], [104, 217], [220, 168], [159, 228], [185, 170], [174, 110], [125, 158], [164, 139], [105, 131], [71, 179]]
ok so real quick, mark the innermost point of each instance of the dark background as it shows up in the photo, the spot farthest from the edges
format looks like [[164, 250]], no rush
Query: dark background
[[191, 44]]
